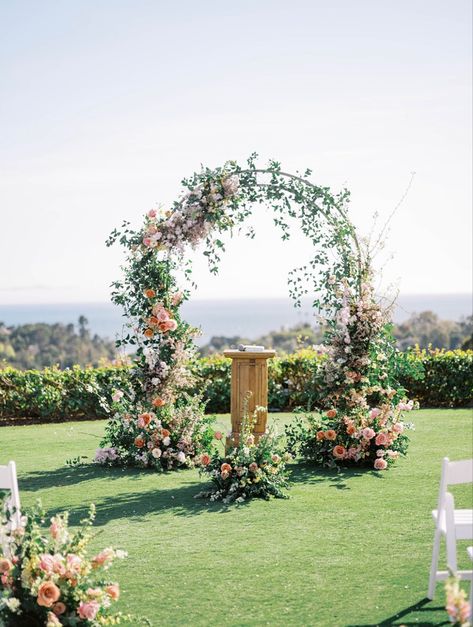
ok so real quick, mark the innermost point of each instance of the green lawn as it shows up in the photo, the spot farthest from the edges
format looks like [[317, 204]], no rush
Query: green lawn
[[347, 549]]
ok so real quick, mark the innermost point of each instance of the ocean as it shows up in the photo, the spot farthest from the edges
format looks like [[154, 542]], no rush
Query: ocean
[[243, 317]]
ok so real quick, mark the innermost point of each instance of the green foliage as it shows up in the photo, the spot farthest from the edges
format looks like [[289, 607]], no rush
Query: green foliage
[[52, 394], [41, 345], [438, 378], [433, 378]]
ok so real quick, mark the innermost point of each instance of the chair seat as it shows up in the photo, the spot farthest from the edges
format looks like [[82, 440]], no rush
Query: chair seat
[[463, 519]]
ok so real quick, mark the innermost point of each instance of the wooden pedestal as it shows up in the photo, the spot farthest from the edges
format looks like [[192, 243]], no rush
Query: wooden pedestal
[[249, 374]]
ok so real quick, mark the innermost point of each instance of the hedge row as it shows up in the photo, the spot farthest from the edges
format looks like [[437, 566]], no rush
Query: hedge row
[[443, 379]]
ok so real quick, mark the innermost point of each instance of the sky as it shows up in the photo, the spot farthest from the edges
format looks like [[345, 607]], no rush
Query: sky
[[106, 106]]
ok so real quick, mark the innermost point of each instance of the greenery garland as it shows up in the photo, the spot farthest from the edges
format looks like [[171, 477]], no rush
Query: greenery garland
[[216, 201]]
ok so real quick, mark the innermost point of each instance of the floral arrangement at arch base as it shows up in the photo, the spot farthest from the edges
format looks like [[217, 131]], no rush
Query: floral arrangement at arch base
[[254, 468], [362, 420], [47, 578]]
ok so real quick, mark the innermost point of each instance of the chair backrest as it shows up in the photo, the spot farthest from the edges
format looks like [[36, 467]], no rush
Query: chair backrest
[[8, 481], [453, 473]]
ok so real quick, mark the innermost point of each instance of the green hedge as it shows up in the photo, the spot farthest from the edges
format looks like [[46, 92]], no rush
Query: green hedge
[[444, 379], [52, 394]]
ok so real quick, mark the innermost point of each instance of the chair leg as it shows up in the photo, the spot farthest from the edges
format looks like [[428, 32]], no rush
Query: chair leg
[[434, 564], [451, 542]]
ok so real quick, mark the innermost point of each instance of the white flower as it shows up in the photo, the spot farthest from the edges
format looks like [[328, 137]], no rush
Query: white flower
[[181, 458], [167, 441], [13, 604], [156, 453]]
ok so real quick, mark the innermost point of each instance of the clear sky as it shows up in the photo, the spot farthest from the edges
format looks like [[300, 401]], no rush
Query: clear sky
[[105, 106]]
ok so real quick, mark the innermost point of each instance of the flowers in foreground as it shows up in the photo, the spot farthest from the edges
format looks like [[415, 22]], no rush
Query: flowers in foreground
[[457, 605], [48, 579]]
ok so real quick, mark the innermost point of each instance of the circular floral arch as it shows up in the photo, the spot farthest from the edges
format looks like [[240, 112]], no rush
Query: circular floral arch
[[157, 423]]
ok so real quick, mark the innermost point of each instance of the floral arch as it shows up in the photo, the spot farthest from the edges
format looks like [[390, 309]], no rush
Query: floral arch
[[157, 423]]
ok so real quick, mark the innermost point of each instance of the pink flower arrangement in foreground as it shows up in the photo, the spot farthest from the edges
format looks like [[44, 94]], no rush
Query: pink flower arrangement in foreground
[[48, 578]]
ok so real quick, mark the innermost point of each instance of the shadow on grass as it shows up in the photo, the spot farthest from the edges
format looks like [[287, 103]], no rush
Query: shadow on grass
[[71, 475], [409, 613], [338, 478], [138, 505]]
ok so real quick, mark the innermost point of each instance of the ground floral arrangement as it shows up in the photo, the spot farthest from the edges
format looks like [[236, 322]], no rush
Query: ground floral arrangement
[[47, 578], [159, 424], [253, 468]]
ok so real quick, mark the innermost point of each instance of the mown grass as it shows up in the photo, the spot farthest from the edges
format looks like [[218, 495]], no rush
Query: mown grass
[[347, 549]]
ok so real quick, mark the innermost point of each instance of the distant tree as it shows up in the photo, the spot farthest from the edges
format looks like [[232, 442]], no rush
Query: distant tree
[[40, 345]]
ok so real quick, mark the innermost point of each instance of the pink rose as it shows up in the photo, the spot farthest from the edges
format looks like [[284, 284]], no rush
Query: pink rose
[[147, 241], [380, 452], [375, 412], [380, 464], [381, 439], [368, 433], [218, 435], [73, 564], [398, 427], [152, 213], [176, 298], [46, 563], [88, 610], [162, 315], [117, 395], [406, 406], [253, 467], [393, 454]]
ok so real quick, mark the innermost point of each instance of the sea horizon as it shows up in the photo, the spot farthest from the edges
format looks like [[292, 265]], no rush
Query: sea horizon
[[246, 317]]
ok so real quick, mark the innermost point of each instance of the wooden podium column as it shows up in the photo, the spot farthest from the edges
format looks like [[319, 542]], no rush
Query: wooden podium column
[[249, 374]]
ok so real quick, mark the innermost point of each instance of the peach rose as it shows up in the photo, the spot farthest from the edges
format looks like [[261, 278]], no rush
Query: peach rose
[[224, 474], [153, 321], [253, 467], [145, 418], [331, 434], [351, 429], [225, 467], [275, 458], [88, 610], [148, 333], [139, 442], [113, 591], [165, 433], [320, 435], [158, 402], [381, 439], [5, 565], [48, 594], [398, 427], [105, 556], [176, 299], [59, 608], [339, 451], [149, 293], [205, 459], [331, 413], [380, 464]]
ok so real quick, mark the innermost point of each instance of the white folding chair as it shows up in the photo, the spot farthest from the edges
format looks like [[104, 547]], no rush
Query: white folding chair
[[470, 553], [8, 481], [453, 524]]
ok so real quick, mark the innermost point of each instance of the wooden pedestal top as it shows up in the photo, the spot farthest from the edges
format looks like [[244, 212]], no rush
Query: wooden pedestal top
[[233, 354]]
